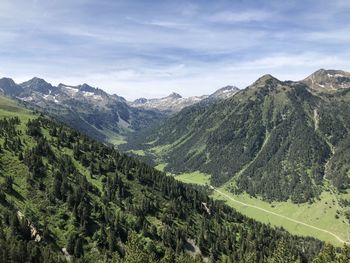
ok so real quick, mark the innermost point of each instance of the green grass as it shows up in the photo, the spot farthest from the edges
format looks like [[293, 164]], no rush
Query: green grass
[[161, 166], [194, 178], [10, 108], [117, 140], [320, 214], [138, 152], [158, 150]]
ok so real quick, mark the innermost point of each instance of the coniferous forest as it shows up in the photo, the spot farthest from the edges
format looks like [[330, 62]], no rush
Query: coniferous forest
[[65, 197]]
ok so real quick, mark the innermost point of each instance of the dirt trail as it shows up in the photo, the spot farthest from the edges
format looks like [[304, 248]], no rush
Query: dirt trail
[[273, 213], [279, 215]]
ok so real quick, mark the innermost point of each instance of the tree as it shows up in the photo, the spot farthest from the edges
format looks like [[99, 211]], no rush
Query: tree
[[71, 243], [134, 252], [282, 253], [8, 184], [327, 255], [78, 248]]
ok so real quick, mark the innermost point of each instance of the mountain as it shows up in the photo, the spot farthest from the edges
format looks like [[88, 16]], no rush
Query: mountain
[[275, 139], [67, 198], [91, 110], [38, 85], [175, 102], [9, 87], [170, 104], [223, 93], [328, 80]]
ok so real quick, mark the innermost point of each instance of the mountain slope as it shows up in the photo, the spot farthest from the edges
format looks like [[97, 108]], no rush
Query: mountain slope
[[83, 107], [64, 196], [273, 139]]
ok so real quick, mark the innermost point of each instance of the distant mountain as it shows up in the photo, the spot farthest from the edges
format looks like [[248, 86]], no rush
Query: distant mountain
[[9, 87], [175, 102], [91, 110], [328, 80], [223, 93], [276, 139], [170, 104]]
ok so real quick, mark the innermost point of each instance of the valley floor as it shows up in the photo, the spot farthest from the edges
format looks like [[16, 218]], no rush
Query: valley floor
[[317, 219]]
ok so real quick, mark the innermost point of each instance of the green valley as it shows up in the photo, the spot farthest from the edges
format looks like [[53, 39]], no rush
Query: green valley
[[66, 197], [281, 146]]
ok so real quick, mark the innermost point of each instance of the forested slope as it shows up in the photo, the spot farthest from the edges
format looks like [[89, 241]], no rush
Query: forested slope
[[61, 191], [274, 139]]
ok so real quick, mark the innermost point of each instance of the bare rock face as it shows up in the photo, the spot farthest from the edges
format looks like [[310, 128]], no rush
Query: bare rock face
[[34, 233], [328, 80]]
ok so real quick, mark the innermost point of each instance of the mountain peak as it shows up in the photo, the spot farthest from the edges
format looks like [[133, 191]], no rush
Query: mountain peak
[[328, 80], [37, 80], [228, 88], [9, 87], [140, 101], [7, 81], [224, 92], [37, 84], [86, 87], [175, 95], [265, 80]]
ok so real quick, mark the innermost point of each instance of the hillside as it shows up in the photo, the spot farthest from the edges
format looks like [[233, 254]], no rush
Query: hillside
[[102, 116], [64, 196], [276, 139]]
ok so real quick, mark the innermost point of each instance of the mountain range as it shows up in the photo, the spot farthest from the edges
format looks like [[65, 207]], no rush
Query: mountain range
[[175, 102], [66, 197], [279, 140], [93, 111]]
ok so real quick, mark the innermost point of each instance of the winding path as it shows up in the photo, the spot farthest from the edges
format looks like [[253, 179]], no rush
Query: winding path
[[273, 213], [279, 215]]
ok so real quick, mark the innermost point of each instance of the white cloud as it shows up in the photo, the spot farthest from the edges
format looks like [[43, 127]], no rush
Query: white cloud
[[338, 35], [240, 16], [187, 48]]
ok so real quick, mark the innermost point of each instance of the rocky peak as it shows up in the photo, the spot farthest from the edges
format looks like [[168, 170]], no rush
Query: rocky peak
[[328, 80], [224, 92], [87, 88], [9, 87], [174, 95], [265, 79], [37, 84], [140, 101]]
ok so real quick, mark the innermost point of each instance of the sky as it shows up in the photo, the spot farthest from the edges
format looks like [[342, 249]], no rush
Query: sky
[[150, 48]]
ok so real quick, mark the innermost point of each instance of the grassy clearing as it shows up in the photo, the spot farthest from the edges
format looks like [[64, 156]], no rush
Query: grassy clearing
[[320, 214], [161, 167], [158, 150], [10, 108], [194, 177], [113, 138], [138, 152], [117, 140]]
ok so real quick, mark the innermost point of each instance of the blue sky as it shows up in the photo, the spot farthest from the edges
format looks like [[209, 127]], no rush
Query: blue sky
[[150, 48]]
